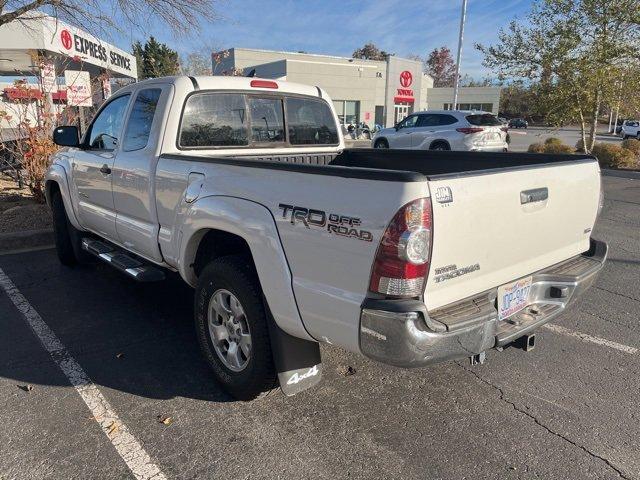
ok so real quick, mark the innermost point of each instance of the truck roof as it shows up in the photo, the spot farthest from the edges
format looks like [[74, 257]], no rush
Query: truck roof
[[210, 82]]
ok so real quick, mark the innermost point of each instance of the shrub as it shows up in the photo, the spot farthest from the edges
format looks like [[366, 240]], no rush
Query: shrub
[[614, 156], [536, 148], [633, 145], [558, 148], [550, 145], [580, 146]]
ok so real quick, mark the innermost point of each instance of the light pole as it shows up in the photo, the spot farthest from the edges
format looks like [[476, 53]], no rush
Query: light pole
[[456, 85]]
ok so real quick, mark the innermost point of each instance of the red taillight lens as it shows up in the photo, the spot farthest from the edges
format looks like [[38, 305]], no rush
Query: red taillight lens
[[264, 84], [467, 130], [504, 129], [402, 260]]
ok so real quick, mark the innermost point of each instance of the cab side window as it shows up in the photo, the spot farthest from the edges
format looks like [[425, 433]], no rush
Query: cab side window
[[138, 129], [104, 132]]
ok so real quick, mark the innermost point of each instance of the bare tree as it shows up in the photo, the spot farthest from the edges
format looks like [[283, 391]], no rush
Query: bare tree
[[94, 15]]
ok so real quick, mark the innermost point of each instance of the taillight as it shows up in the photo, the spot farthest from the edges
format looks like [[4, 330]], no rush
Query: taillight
[[402, 259], [504, 129], [467, 130], [263, 84]]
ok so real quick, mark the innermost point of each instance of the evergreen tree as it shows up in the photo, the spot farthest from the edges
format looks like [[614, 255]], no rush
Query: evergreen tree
[[155, 59]]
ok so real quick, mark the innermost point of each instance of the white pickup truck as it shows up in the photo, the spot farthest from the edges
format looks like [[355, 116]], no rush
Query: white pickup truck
[[243, 186]]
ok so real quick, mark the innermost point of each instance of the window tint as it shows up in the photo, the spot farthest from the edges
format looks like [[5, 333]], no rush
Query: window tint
[[409, 122], [136, 135], [267, 120], [428, 120], [214, 119], [483, 120], [310, 122], [447, 120], [105, 130]]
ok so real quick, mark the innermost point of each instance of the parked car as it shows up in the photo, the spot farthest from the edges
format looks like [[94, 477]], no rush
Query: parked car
[[630, 129], [518, 123], [244, 188], [445, 130]]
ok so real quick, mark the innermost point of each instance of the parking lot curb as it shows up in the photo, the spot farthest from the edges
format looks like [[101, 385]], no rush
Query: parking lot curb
[[621, 173], [25, 240]]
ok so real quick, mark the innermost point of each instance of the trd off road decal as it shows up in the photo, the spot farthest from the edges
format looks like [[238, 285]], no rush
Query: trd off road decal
[[342, 225]]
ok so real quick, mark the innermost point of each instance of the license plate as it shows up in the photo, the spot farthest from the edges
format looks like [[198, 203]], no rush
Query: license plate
[[513, 297]]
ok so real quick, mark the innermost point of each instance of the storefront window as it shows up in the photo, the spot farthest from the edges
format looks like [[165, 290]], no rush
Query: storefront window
[[485, 107], [348, 111]]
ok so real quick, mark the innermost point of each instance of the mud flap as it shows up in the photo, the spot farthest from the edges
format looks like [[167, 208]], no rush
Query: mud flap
[[297, 361]]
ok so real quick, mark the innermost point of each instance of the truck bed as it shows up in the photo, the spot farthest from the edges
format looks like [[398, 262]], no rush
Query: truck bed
[[434, 163], [393, 165]]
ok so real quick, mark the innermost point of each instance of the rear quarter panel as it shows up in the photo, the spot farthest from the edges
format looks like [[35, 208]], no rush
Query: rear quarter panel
[[329, 272]]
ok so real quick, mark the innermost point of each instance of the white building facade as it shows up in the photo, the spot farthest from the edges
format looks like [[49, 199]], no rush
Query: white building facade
[[369, 91]]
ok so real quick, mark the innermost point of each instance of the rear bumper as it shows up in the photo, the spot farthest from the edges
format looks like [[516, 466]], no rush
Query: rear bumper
[[403, 333]]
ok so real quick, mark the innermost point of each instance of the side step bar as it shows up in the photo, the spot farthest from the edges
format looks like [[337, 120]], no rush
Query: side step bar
[[123, 261]]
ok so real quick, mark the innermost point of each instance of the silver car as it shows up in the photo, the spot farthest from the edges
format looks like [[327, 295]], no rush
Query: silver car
[[445, 130]]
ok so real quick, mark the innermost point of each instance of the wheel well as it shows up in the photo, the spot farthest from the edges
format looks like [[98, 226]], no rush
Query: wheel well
[[440, 141], [382, 139], [218, 243], [50, 188]]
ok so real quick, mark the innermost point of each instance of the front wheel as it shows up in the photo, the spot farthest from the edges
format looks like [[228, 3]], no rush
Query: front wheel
[[64, 233], [381, 143], [232, 330]]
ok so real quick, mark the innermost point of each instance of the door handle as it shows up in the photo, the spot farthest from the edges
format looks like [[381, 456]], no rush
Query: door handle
[[105, 169]]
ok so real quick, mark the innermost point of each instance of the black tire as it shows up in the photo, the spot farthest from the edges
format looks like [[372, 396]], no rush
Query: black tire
[[439, 145], [237, 275], [62, 232], [381, 143]]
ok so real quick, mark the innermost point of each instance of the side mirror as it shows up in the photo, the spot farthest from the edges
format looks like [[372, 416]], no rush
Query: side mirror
[[397, 126], [66, 136]]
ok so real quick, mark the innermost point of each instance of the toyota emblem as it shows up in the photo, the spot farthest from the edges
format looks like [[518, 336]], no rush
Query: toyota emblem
[[65, 37], [406, 79]]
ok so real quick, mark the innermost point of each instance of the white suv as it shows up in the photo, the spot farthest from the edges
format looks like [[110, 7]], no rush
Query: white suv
[[630, 129], [445, 130]]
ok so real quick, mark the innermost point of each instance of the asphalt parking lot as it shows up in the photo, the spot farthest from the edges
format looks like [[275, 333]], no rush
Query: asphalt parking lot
[[568, 409]]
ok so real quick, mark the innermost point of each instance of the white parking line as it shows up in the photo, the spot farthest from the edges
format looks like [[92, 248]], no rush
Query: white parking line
[[127, 446], [589, 338]]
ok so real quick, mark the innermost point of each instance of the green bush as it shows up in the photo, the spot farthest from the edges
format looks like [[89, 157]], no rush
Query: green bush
[[536, 148], [633, 145], [614, 156]]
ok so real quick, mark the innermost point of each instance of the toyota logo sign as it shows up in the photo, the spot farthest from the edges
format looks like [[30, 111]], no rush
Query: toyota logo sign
[[65, 37], [406, 78]]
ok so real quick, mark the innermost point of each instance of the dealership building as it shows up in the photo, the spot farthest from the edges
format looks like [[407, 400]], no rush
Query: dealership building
[[370, 91], [50, 58]]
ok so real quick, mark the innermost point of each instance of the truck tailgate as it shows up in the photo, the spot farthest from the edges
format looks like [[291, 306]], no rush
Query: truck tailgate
[[493, 227]]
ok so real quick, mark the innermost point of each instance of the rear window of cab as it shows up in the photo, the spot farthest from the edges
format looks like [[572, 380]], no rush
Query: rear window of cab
[[228, 120]]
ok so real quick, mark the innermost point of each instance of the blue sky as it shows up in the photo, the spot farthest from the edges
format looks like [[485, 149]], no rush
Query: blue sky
[[339, 27]]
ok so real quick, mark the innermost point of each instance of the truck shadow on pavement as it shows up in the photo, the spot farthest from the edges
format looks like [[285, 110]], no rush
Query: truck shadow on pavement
[[131, 337]]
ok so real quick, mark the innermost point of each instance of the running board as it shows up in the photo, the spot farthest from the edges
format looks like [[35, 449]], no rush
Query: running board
[[131, 266]]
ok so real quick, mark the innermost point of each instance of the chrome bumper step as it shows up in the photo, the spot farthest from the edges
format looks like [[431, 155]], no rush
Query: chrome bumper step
[[123, 261]]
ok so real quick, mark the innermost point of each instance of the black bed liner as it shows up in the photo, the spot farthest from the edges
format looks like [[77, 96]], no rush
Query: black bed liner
[[433, 163], [390, 165]]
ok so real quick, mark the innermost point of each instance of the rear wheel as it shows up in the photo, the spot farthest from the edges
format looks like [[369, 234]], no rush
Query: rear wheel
[[231, 325], [439, 146], [381, 143]]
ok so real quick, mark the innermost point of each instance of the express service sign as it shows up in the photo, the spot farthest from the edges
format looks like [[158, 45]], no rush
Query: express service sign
[[87, 48]]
